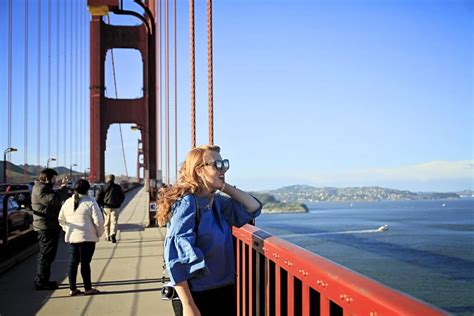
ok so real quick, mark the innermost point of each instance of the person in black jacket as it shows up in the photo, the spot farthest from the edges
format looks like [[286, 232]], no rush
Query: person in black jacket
[[110, 198], [46, 204]]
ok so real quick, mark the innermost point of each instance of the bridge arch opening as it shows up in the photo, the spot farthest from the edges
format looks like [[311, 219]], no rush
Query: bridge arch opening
[[115, 162], [129, 83]]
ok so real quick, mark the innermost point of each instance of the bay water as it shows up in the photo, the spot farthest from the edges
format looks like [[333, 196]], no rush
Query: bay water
[[428, 251]]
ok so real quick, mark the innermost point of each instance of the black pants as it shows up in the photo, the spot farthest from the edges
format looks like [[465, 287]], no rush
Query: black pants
[[80, 253], [215, 302], [48, 246]]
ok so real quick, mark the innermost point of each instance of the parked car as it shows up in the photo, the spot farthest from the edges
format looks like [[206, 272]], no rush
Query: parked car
[[18, 218]]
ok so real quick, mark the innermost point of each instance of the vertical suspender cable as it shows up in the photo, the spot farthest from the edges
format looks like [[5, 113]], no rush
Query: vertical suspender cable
[[76, 101], [10, 74], [65, 86], [175, 98], [57, 80], [161, 90], [167, 91], [86, 84], [158, 89], [38, 92], [81, 87], [71, 50], [49, 78], [193, 74], [76, 84], [25, 139], [209, 72]]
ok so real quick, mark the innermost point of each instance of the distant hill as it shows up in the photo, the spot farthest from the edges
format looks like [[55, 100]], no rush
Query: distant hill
[[28, 173], [272, 205], [307, 194]]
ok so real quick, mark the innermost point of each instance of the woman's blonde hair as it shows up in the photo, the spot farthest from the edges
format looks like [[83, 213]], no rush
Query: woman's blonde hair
[[188, 182]]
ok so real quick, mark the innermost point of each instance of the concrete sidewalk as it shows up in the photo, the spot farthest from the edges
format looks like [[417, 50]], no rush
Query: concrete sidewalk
[[127, 273]]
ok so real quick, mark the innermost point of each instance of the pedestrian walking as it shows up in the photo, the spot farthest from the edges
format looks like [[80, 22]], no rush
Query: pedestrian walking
[[83, 224], [46, 204], [110, 199]]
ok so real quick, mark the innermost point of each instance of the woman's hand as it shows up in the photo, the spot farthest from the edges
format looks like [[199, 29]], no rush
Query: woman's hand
[[250, 203], [190, 309]]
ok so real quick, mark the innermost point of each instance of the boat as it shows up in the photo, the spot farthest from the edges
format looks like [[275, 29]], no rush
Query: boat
[[383, 228]]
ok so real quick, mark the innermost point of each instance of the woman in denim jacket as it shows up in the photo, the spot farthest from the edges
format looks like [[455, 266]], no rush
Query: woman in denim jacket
[[198, 248]]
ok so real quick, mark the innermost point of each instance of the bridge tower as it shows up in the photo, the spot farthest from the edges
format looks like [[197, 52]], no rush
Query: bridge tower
[[106, 111]]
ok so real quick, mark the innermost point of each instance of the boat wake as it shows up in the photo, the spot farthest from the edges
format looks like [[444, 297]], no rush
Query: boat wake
[[364, 231]]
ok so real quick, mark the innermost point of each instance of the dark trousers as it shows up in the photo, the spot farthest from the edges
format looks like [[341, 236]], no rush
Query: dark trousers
[[215, 302], [48, 246], [80, 253]]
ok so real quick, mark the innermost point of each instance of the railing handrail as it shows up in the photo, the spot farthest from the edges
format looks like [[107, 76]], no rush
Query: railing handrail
[[353, 292]]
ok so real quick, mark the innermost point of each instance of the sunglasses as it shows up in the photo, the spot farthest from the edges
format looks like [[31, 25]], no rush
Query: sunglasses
[[221, 165]]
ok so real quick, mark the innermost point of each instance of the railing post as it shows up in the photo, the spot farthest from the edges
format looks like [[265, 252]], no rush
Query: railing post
[[291, 294], [305, 299], [238, 268]]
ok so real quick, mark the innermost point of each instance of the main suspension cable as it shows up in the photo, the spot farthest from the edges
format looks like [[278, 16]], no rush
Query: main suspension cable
[[49, 79]]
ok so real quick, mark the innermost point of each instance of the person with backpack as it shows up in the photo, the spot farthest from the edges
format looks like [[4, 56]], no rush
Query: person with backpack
[[110, 199], [198, 248]]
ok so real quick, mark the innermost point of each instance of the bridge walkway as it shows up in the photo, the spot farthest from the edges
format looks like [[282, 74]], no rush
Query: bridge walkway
[[127, 273]]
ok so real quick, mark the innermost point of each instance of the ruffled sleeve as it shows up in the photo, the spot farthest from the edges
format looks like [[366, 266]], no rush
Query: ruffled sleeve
[[235, 213], [182, 257]]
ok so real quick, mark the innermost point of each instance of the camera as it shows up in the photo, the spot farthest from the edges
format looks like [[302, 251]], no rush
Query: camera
[[169, 293]]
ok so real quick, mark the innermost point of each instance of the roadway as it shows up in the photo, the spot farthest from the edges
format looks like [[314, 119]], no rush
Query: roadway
[[127, 273]]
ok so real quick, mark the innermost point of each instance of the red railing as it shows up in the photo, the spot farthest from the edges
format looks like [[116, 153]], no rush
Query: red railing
[[276, 277]]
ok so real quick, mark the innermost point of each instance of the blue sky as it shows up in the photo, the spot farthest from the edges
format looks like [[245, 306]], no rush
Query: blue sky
[[327, 93]]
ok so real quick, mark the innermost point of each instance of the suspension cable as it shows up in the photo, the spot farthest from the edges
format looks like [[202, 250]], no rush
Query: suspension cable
[[81, 87], [167, 91], [71, 85], [209, 72], [57, 80], [49, 79], [10, 78], [160, 126], [175, 98], [116, 96], [193, 74], [25, 122], [65, 85], [38, 94], [158, 89], [76, 85]]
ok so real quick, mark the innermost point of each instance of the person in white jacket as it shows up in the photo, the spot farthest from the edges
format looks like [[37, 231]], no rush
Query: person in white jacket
[[83, 223]]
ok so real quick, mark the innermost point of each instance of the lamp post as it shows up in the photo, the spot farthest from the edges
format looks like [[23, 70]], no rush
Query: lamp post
[[85, 173], [50, 159], [70, 170], [8, 150]]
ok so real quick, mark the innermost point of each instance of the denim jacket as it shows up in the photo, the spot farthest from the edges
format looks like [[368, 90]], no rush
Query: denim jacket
[[206, 260]]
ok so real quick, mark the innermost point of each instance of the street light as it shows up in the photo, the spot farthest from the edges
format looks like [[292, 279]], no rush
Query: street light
[[85, 173], [70, 170], [50, 159], [8, 150]]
